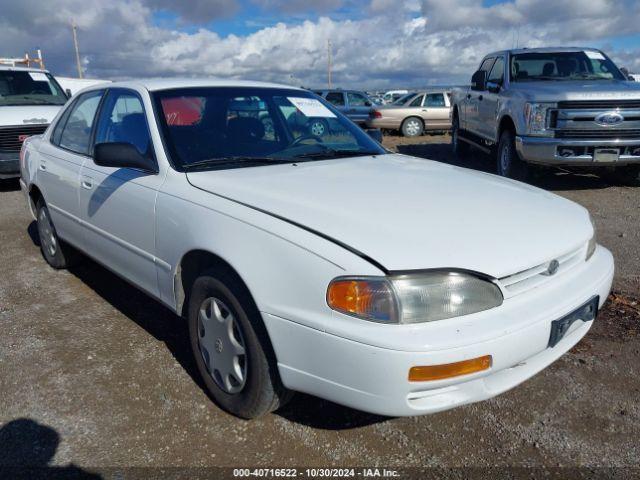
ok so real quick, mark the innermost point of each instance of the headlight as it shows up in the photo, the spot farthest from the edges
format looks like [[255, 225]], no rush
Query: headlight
[[591, 246], [413, 298], [535, 117]]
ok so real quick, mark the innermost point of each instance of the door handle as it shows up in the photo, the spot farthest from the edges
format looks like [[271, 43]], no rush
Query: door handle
[[480, 98], [468, 96], [42, 166], [87, 182]]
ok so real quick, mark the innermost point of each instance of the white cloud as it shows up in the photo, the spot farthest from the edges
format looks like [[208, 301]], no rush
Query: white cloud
[[407, 44]]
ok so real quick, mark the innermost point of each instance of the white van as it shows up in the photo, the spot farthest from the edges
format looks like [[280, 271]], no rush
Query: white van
[[29, 100], [392, 95]]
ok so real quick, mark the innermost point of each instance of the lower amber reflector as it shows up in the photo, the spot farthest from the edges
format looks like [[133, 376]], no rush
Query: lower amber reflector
[[440, 372]]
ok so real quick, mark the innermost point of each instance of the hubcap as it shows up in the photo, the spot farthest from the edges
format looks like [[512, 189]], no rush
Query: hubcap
[[413, 127], [222, 345], [45, 230], [317, 129]]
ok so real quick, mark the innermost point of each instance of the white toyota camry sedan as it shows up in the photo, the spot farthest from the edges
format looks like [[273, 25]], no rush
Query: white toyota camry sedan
[[313, 262]]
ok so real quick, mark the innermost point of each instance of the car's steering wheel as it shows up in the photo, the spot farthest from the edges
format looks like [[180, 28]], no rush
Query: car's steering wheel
[[307, 136]]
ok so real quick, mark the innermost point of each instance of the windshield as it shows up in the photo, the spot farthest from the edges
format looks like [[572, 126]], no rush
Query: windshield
[[404, 98], [224, 127], [579, 65], [18, 87]]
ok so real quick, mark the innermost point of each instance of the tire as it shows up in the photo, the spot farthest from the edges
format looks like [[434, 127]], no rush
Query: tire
[[244, 384], [508, 162], [627, 175], [460, 149], [55, 251], [318, 127], [412, 127]]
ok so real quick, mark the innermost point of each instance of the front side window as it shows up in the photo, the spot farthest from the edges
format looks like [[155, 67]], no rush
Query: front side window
[[357, 100], [577, 65], [76, 132], [497, 72], [236, 127], [335, 98], [19, 87], [486, 64], [435, 100], [122, 119]]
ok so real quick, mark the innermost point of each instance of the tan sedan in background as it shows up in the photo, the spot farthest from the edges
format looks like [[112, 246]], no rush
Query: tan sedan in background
[[414, 114]]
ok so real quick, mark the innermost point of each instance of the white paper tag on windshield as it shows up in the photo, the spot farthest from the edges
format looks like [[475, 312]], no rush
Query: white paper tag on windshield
[[311, 107], [38, 77], [594, 55]]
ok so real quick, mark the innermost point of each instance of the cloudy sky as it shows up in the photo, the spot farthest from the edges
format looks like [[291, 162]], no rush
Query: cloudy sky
[[375, 43]]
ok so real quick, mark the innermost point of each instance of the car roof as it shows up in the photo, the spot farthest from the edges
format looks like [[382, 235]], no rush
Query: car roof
[[22, 69], [156, 84], [516, 51]]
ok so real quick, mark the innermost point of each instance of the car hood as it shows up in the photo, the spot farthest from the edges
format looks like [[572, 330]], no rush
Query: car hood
[[555, 91], [11, 115], [408, 213]]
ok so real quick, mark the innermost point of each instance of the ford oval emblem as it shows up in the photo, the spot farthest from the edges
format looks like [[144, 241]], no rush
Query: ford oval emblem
[[608, 119]]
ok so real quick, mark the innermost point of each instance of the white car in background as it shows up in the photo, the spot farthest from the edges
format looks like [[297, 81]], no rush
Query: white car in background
[[326, 265]]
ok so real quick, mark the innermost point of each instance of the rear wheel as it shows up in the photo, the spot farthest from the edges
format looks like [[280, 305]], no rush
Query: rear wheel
[[460, 148], [626, 175], [318, 127], [412, 127], [55, 251], [508, 161], [231, 347]]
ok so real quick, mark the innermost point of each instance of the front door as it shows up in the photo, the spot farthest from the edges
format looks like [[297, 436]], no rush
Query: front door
[[118, 204], [488, 108]]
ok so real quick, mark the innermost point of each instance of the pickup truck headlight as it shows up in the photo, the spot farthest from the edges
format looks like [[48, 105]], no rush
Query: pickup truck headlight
[[536, 118], [412, 298]]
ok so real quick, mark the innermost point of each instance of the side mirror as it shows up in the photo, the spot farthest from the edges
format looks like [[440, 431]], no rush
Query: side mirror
[[121, 155], [479, 81], [375, 133], [368, 104], [625, 72], [68, 92]]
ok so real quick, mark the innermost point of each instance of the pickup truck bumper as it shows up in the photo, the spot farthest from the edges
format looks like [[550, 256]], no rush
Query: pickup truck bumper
[[9, 165], [579, 152]]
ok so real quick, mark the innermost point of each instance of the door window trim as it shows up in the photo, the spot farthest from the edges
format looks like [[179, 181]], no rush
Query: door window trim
[[499, 57]]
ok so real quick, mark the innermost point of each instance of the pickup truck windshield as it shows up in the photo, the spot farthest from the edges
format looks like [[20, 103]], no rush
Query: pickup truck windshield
[[577, 65], [229, 127], [19, 87]]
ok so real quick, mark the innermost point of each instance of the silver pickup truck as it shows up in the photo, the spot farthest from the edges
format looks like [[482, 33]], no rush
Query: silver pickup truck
[[551, 106]]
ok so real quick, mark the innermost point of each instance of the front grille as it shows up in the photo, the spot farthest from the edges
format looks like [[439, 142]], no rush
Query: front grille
[[10, 140], [533, 277], [605, 104], [599, 133]]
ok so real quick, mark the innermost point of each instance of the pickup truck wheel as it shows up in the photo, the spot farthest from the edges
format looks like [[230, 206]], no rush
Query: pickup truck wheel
[[626, 175], [232, 348], [460, 148], [318, 127], [509, 163], [55, 251], [412, 127]]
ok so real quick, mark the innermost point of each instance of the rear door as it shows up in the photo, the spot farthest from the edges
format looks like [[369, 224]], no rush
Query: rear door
[[435, 111], [61, 161], [118, 204], [358, 107]]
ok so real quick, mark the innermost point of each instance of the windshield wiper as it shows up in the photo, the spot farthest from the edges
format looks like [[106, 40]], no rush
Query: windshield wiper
[[333, 153], [237, 161]]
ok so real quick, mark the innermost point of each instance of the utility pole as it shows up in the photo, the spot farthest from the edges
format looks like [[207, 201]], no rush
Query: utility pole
[[329, 62], [75, 44]]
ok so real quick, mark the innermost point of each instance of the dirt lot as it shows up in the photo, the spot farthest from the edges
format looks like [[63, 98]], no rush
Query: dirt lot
[[95, 374]]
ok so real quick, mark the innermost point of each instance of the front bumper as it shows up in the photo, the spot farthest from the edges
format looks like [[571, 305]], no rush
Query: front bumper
[[374, 379], [9, 164], [546, 151]]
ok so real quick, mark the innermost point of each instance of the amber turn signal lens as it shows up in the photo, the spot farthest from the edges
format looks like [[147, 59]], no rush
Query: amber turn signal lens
[[370, 299], [449, 370]]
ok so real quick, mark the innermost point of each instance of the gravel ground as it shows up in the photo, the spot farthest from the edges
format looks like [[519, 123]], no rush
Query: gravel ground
[[94, 374]]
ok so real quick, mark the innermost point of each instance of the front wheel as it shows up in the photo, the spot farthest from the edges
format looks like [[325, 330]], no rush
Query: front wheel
[[318, 127], [508, 161], [460, 148], [232, 348]]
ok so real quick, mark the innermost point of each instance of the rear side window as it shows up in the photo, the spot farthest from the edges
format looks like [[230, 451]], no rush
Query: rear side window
[[335, 98], [122, 119], [435, 100], [76, 133]]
